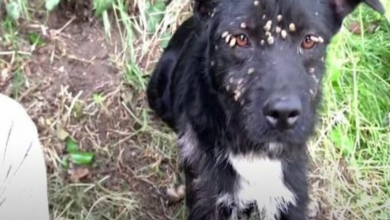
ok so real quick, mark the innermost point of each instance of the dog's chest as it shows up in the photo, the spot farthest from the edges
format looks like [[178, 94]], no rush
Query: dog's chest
[[261, 181]]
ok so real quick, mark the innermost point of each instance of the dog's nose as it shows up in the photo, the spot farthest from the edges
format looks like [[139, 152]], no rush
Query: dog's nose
[[282, 112]]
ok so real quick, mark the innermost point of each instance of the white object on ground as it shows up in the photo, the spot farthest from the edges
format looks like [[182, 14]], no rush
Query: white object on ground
[[23, 183]]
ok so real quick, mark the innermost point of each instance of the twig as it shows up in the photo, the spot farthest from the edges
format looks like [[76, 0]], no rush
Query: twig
[[56, 32], [81, 59], [8, 53]]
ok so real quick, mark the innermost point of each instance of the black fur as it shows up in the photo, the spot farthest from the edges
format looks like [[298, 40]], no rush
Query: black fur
[[187, 90]]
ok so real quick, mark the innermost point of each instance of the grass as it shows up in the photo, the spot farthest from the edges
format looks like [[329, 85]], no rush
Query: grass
[[354, 149], [350, 153]]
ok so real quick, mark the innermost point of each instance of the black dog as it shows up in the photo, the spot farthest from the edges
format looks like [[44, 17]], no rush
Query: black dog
[[240, 83]]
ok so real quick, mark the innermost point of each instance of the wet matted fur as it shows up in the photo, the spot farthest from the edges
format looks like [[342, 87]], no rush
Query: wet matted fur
[[240, 83]]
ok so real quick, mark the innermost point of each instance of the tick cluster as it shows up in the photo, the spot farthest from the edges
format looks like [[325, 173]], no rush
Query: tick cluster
[[270, 34], [238, 85], [231, 40], [239, 90]]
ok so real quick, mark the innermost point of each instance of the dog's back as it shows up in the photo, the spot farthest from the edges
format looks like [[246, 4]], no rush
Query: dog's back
[[159, 87]]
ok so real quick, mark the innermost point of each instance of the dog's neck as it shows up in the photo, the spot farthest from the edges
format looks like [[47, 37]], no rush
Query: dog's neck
[[228, 142]]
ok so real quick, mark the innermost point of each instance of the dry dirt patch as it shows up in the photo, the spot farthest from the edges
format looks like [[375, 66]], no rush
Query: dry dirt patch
[[62, 82]]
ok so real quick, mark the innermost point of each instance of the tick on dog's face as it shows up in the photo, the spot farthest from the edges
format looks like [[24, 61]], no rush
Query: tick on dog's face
[[266, 58]]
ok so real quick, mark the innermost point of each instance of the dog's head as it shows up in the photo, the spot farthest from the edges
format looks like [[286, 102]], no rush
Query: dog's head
[[266, 60]]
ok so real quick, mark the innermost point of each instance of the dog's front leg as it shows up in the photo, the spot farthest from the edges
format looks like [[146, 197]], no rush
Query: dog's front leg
[[298, 210], [201, 202], [201, 205], [203, 212], [295, 213]]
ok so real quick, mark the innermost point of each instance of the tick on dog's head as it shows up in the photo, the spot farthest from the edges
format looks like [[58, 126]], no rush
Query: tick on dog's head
[[266, 60]]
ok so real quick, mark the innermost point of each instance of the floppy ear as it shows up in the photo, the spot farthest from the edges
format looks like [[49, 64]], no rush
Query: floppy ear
[[345, 7], [203, 8]]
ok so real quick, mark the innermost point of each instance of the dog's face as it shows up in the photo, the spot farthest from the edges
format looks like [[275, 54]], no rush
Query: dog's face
[[266, 60]]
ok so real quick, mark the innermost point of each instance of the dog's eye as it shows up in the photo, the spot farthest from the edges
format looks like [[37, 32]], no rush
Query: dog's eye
[[308, 42], [242, 40]]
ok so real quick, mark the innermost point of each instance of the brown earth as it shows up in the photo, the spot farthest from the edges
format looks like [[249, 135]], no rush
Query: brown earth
[[60, 81]]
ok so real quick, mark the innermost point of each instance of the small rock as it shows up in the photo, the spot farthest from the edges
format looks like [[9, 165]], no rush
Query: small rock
[[176, 194], [41, 121], [313, 210]]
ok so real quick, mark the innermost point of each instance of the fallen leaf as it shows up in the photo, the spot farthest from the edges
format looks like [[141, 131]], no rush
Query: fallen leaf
[[51, 4], [154, 14], [4, 75], [81, 158], [354, 28], [77, 173], [372, 27], [13, 10], [71, 146], [62, 134]]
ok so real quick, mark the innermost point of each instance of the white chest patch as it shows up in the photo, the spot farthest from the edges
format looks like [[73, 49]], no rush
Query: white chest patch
[[261, 180]]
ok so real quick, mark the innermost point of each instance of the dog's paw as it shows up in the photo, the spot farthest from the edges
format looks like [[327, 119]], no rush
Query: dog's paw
[[176, 194]]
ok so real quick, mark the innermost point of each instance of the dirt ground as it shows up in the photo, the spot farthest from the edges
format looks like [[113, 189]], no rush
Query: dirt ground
[[62, 79]]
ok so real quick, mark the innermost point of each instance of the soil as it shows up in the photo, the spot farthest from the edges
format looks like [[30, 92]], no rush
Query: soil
[[75, 63]]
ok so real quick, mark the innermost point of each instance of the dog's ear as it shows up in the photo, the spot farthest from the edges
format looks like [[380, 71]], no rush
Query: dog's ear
[[345, 7], [203, 8]]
